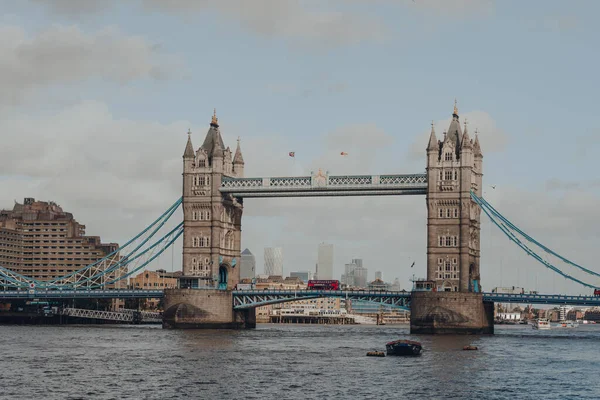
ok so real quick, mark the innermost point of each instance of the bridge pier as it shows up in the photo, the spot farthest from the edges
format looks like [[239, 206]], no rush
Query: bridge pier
[[451, 313], [204, 309]]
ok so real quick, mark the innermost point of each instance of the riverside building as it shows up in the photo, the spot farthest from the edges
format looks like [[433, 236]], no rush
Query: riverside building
[[40, 240]]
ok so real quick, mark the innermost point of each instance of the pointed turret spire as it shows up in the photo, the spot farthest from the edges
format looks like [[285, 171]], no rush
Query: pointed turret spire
[[454, 131], [213, 139], [237, 158], [189, 149], [466, 140], [476, 145], [433, 142], [215, 121]]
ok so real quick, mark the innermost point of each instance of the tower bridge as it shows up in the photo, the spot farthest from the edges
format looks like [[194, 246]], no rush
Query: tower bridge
[[214, 187]]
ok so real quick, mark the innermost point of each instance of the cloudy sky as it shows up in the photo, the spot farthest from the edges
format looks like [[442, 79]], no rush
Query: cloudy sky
[[97, 97]]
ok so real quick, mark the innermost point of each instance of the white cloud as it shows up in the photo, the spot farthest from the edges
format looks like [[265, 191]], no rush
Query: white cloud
[[458, 7], [288, 19], [76, 8], [63, 55]]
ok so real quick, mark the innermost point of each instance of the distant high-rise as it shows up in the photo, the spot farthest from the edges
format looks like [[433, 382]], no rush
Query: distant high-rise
[[304, 275], [274, 261], [348, 277], [360, 277], [247, 265], [325, 261], [378, 275]]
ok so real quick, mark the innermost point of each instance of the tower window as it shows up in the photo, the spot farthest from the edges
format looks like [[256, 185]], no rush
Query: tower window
[[455, 241], [448, 215], [448, 241], [456, 213], [448, 156], [441, 175], [448, 175], [441, 240], [202, 163], [441, 212], [455, 175]]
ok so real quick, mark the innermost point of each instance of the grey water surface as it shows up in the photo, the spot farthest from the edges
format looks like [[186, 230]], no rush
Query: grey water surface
[[294, 362]]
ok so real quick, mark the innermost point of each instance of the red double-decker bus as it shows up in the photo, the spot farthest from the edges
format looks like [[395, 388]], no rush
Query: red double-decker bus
[[323, 285], [596, 292]]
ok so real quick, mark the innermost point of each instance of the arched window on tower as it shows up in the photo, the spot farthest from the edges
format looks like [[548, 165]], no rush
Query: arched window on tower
[[455, 239], [441, 240], [441, 212], [202, 163], [455, 175], [448, 215], [448, 242], [456, 213], [448, 156]]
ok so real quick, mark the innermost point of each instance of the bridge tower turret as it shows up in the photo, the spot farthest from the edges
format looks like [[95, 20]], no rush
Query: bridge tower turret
[[454, 168], [212, 221]]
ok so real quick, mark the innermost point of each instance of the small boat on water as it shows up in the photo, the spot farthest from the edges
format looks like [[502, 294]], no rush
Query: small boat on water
[[375, 354], [567, 324], [541, 323], [403, 348]]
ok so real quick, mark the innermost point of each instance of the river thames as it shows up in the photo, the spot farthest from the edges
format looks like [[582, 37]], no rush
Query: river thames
[[294, 361]]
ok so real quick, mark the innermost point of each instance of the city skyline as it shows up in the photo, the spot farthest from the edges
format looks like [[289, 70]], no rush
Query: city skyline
[[104, 132]]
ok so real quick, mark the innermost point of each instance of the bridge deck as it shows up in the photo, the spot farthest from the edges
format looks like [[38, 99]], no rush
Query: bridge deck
[[324, 185], [81, 294], [256, 298]]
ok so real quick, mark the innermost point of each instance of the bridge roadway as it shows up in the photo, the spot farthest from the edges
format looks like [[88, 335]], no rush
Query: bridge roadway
[[81, 294], [255, 298]]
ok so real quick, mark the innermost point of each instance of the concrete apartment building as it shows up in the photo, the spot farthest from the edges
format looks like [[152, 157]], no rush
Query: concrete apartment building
[[40, 240]]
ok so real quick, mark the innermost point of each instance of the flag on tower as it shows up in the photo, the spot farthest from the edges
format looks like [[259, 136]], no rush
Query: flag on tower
[[292, 154], [343, 153]]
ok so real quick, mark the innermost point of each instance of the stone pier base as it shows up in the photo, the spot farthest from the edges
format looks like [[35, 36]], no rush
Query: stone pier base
[[204, 309], [450, 313]]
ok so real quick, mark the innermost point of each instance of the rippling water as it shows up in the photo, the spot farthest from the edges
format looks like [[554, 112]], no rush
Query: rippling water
[[294, 361]]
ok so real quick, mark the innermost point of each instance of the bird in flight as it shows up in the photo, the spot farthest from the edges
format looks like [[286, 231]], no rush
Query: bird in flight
[[493, 186]]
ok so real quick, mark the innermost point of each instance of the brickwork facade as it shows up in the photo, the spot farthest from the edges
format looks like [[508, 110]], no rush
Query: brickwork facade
[[40, 240]]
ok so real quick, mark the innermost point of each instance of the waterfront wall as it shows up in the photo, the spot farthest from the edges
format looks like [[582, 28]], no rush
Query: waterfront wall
[[451, 313], [204, 309]]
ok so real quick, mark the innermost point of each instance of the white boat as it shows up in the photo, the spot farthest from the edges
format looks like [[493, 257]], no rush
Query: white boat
[[567, 324], [541, 323]]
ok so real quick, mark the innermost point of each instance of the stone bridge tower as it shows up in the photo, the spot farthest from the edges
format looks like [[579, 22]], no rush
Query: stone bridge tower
[[454, 168], [212, 221]]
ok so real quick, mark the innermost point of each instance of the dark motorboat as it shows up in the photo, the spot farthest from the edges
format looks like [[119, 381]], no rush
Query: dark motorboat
[[403, 348]]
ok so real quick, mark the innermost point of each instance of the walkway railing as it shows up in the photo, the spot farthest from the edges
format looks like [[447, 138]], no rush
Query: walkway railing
[[124, 315], [81, 294], [324, 185]]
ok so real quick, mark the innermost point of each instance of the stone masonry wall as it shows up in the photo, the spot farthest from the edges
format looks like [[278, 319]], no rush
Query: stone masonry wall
[[210, 309], [450, 313]]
